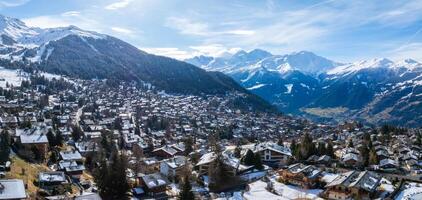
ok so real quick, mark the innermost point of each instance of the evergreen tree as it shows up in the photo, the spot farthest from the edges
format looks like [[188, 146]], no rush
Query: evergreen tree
[[188, 142], [366, 137], [4, 146], [220, 175], [51, 138], [373, 158], [351, 145], [280, 142], [111, 178], [249, 158], [59, 139], [186, 193], [330, 150], [76, 133], [258, 162], [364, 153], [321, 149]]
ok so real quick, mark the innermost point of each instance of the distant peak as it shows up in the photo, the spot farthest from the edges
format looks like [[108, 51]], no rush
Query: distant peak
[[240, 52], [410, 61], [259, 51]]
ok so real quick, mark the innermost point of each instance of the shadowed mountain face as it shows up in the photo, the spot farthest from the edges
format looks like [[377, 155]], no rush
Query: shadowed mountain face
[[84, 54], [376, 91]]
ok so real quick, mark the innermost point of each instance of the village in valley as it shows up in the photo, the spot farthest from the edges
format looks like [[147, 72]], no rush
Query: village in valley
[[65, 138]]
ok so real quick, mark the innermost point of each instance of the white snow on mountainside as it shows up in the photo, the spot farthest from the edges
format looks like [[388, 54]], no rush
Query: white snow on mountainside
[[304, 61], [17, 39]]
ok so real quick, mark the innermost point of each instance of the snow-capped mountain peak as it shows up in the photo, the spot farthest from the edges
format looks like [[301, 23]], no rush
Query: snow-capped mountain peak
[[21, 33], [17, 40], [360, 65], [14, 28]]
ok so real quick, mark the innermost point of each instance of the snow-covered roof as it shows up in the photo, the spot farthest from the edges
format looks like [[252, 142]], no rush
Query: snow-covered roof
[[51, 177], [70, 155], [267, 146], [12, 189], [154, 180], [365, 180]]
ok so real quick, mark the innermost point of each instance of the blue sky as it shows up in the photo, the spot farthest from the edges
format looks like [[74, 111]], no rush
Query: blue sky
[[342, 30]]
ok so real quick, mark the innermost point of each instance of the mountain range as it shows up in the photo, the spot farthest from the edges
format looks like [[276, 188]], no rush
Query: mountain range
[[375, 91], [78, 53]]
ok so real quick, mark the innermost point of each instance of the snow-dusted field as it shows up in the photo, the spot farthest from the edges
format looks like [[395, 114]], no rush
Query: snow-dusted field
[[412, 192], [10, 76], [283, 192]]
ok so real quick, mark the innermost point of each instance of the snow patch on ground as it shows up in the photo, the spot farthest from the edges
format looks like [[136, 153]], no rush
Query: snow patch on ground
[[256, 86], [289, 88], [13, 77]]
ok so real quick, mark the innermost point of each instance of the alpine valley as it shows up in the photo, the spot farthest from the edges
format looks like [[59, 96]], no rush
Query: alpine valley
[[373, 91]]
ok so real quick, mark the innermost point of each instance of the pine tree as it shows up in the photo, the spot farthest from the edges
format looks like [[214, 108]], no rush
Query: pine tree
[[51, 138], [249, 158], [373, 158], [111, 178], [321, 149], [364, 153], [59, 138], [351, 145], [186, 193], [330, 150], [4, 146], [258, 162], [76, 133], [280, 142]]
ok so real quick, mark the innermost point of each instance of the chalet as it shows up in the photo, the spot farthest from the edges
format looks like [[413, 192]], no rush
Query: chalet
[[149, 165], [173, 167], [233, 163], [165, 152], [154, 184], [12, 189], [350, 159], [353, 185], [34, 140], [305, 176], [388, 164], [271, 153], [86, 147], [48, 180]]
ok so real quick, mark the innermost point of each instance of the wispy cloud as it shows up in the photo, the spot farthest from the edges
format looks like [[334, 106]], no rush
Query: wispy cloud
[[191, 51], [172, 52], [71, 14], [118, 5], [188, 27], [122, 30], [411, 50], [12, 3]]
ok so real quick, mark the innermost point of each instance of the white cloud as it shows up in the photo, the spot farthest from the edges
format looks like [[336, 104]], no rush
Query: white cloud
[[213, 50], [410, 50], [71, 14], [118, 5], [46, 22], [121, 30], [169, 52], [207, 50], [188, 27], [64, 20], [12, 3]]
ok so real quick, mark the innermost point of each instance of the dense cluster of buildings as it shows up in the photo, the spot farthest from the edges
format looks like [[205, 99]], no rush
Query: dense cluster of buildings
[[165, 136]]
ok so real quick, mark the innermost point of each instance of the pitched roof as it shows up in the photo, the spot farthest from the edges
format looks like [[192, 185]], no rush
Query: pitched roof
[[12, 189]]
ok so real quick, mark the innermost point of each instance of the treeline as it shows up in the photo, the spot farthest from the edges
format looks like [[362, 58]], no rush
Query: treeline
[[307, 148]]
